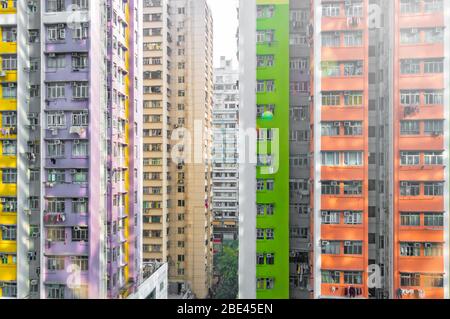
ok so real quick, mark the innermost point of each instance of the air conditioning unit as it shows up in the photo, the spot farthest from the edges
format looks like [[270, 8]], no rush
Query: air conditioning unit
[[337, 124], [417, 245], [34, 282], [428, 245], [76, 142], [35, 235], [2, 73], [347, 243], [77, 228], [2, 200], [325, 243]]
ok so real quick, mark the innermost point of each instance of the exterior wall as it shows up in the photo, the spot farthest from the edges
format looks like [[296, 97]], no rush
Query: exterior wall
[[247, 149], [277, 148], [422, 266], [340, 263], [225, 201], [299, 158], [9, 217], [59, 196], [178, 215]]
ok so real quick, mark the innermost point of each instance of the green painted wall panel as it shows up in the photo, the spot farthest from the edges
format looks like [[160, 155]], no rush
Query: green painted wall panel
[[280, 196]]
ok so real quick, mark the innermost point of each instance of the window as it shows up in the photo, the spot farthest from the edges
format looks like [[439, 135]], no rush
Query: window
[[56, 176], [353, 158], [433, 5], [9, 204], [434, 158], [56, 61], [410, 219], [55, 148], [409, 280], [409, 188], [409, 158], [331, 39], [80, 234], [9, 62], [330, 69], [55, 291], [353, 218], [434, 219], [433, 280], [259, 234], [409, 6], [330, 217], [56, 120], [80, 90], [56, 234], [81, 261], [56, 90], [410, 249], [409, 128], [331, 247], [353, 68], [330, 128], [433, 97], [433, 66], [55, 263], [409, 36], [330, 277], [8, 232], [330, 158], [433, 189], [331, 98], [353, 39], [265, 11], [9, 176], [80, 148], [353, 187], [434, 127], [9, 147], [353, 128], [410, 66], [434, 35], [353, 98], [353, 277], [264, 61], [433, 249], [80, 205], [331, 9], [265, 36], [330, 188], [9, 90], [353, 247]]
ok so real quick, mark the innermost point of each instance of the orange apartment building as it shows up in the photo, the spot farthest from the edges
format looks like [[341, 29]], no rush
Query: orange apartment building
[[339, 145], [379, 140], [420, 153]]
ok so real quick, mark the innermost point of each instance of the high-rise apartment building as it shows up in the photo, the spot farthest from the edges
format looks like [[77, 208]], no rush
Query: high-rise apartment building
[[178, 86], [225, 178], [71, 136], [368, 199], [264, 153]]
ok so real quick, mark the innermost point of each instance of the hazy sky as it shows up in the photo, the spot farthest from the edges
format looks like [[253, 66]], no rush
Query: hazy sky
[[225, 28]]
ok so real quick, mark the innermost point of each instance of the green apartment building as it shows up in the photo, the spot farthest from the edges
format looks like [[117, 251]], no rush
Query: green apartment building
[[264, 249]]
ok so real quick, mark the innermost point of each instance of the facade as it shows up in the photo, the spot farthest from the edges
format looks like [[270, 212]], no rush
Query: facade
[[178, 86], [225, 178], [71, 177], [368, 166], [264, 260]]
